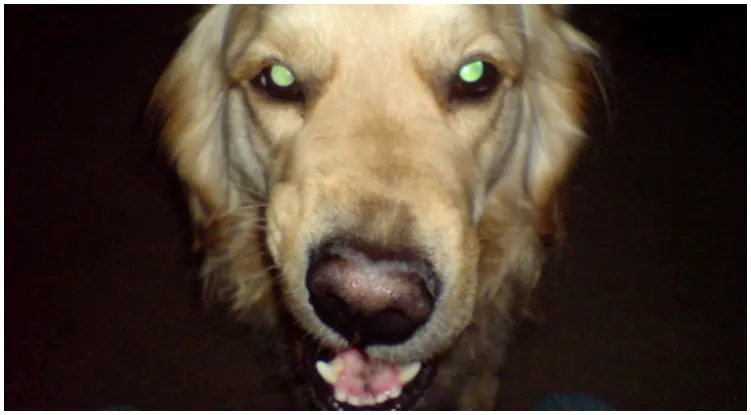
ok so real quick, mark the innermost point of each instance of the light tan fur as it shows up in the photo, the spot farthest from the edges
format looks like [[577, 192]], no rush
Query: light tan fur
[[377, 150]]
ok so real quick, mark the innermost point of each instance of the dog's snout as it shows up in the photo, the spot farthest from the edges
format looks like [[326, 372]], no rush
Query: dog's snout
[[371, 296]]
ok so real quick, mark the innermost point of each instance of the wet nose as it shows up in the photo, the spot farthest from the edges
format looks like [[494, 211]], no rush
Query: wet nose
[[371, 295]]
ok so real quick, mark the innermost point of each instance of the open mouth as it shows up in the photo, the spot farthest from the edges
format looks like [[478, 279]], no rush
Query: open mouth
[[350, 380]]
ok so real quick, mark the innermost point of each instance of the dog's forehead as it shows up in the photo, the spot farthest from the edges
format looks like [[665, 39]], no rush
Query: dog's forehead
[[333, 21], [379, 30]]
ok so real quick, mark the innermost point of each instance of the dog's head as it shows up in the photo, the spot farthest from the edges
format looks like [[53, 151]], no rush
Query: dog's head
[[370, 141]]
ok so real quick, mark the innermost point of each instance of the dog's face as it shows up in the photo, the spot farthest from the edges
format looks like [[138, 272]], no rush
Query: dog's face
[[375, 191], [376, 136]]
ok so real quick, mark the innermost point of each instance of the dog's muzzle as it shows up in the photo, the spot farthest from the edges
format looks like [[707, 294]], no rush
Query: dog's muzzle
[[370, 295]]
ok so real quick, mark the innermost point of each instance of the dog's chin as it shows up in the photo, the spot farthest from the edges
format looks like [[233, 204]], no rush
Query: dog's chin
[[348, 379]]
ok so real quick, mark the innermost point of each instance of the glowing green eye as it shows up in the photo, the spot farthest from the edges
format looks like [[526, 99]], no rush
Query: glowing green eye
[[279, 83], [281, 76], [475, 80], [472, 72]]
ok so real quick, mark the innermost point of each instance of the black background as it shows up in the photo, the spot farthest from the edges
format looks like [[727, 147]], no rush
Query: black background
[[647, 309]]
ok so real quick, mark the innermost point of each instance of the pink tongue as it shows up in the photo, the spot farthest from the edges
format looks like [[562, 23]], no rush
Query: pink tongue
[[361, 377]]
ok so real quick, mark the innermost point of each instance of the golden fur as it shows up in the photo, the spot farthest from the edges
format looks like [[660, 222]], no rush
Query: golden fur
[[377, 150]]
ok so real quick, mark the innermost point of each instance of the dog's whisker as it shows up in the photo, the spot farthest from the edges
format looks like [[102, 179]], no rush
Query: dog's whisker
[[261, 274], [251, 211], [254, 193], [252, 206]]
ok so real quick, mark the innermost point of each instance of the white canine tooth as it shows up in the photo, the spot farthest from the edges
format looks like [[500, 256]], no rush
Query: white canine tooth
[[337, 365], [394, 393], [407, 373], [326, 372], [354, 401], [367, 401], [382, 397], [340, 395]]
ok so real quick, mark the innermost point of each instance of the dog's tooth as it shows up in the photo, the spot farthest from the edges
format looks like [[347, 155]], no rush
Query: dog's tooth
[[326, 372], [395, 392], [340, 395], [382, 397], [337, 365], [367, 401], [354, 401], [408, 372]]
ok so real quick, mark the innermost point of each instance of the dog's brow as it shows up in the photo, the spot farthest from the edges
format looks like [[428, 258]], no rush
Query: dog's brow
[[437, 61], [284, 39]]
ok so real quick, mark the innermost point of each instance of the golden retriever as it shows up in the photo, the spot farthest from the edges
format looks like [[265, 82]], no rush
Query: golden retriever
[[373, 183]]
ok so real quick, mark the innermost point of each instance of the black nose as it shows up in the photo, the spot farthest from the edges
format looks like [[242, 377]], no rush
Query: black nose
[[369, 295]]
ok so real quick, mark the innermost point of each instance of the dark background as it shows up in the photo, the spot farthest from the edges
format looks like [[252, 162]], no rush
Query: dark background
[[646, 308]]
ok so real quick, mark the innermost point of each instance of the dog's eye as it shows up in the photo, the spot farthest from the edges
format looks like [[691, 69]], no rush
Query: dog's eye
[[475, 79], [278, 82]]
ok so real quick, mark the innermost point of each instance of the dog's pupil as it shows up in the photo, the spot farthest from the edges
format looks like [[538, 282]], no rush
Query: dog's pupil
[[475, 80], [278, 82], [281, 76], [472, 72]]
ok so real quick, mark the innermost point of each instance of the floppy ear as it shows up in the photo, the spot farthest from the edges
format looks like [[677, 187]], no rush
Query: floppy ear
[[206, 133], [550, 136], [553, 97], [191, 97], [200, 115]]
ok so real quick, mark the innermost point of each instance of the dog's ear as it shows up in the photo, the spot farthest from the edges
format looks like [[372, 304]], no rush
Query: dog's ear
[[554, 95], [191, 99]]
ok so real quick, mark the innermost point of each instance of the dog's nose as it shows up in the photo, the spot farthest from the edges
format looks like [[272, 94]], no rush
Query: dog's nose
[[371, 296]]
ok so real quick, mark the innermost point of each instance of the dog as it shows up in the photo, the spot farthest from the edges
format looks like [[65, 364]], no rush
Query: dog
[[373, 185]]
